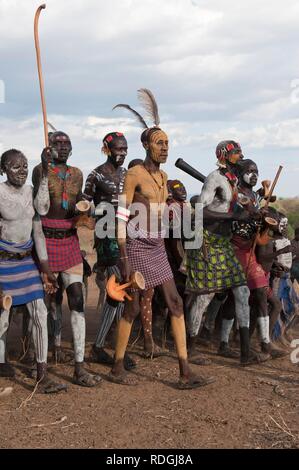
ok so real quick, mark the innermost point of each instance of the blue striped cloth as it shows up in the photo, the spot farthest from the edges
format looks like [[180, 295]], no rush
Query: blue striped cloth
[[20, 278]]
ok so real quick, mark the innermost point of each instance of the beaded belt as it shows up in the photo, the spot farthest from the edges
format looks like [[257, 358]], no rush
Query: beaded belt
[[5, 255], [59, 233]]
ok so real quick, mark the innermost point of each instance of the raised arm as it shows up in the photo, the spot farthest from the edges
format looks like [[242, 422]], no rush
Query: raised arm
[[40, 183], [41, 194]]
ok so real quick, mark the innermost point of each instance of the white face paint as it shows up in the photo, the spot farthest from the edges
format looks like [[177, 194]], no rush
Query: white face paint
[[250, 178], [283, 224]]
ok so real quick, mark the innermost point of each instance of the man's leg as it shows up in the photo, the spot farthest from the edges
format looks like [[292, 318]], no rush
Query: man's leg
[[196, 305], [28, 354], [73, 285], [6, 370], [175, 305], [241, 295], [228, 319], [150, 348], [54, 305], [111, 310], [38, 312], [263, 322], [124, 327], [211, 315], [275, 309]]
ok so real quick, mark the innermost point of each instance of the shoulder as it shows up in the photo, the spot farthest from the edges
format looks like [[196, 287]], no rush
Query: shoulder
[[76, 172], [99, 172], [37, 170], [215, 177], [99, 168], [136, 170]]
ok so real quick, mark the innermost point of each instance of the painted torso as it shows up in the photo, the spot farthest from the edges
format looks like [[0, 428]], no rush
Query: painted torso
[[73, 186], [104, 186], [16, 213]]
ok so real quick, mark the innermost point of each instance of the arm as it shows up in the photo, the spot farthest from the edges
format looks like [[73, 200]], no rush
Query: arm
[[207, 196], [40, 243], [266, 256], [90, 187], [40, 183], [208, 191], [49, 279], [80, 185], [41, 194]]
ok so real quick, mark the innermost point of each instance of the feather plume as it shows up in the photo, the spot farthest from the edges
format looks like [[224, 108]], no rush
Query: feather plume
[[149, 103], [137, 115], [51, 127]]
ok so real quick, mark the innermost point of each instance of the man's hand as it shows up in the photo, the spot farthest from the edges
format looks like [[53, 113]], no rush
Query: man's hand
[[47, 156], [125, 269], [49, 279], [50, 283]]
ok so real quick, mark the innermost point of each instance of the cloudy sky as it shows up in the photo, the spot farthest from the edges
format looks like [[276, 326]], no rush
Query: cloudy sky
[[219, 69]]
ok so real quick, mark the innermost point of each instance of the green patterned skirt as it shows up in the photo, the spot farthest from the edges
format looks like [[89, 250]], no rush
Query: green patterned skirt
[[214, 267]]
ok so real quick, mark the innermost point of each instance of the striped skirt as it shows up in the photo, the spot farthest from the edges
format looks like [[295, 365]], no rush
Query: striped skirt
[[20, 278]]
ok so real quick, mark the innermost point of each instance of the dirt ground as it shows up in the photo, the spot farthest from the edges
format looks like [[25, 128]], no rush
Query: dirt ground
[[255, 407]]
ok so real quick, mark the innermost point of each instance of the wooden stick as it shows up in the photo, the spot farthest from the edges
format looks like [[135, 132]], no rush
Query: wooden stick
[[273, 185], [40, 75]]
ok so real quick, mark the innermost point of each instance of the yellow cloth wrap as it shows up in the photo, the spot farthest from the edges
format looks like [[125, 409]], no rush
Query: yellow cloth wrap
[[122, 339], [179, 335]]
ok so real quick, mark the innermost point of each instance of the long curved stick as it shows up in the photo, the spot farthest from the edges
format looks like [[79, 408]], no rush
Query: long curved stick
[[39, 68]]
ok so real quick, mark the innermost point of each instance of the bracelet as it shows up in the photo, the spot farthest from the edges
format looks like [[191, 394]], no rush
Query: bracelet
[[124, 257]]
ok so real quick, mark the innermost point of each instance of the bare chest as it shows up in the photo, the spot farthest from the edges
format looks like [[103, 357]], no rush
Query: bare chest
[[16, 204]]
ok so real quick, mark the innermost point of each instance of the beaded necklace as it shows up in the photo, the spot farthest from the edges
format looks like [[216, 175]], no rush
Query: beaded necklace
[[63, 176]]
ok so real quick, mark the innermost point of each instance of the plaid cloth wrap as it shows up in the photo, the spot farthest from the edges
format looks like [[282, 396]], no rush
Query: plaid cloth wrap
[[20, 278], [147, 254], [217, 269], [63, 253]]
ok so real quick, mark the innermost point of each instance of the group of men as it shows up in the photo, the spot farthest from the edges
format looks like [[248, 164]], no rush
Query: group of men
[[38, 237]]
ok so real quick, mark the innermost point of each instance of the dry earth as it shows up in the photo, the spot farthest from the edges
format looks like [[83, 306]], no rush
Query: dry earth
[[256, 407]]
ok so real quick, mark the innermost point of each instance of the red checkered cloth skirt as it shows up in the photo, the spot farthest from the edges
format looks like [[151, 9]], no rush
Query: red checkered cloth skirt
[[255, 274], [147, 255], [63, 253]]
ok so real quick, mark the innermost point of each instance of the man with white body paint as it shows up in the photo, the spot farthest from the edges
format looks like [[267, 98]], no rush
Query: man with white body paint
[[20, 226], [214, 267]]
